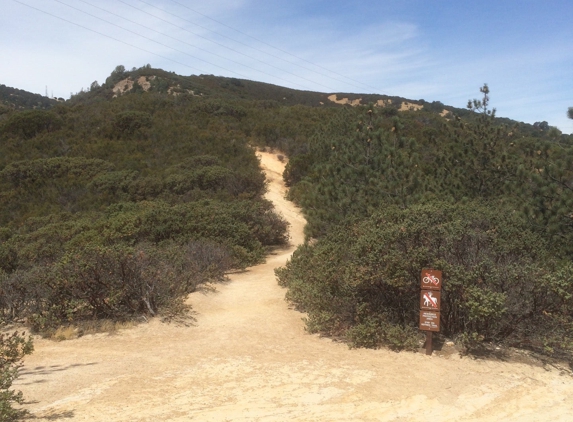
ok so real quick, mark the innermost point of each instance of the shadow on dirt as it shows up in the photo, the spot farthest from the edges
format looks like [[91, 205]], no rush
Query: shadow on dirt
[[444, 347], [28, 373], [52, 416]]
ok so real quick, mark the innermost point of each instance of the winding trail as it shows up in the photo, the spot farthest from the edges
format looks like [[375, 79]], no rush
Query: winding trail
[[248, 358]]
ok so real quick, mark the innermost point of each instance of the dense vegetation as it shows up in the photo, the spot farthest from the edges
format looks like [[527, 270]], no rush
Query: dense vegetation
[[502, 281], [13, 98], [489, 204], [120, 201], [119, 207]]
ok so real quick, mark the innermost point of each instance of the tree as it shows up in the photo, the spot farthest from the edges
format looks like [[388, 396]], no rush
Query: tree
[[481, 106], [117, 75], [360, 172], [541, 125], [29, 123], [475, 160]]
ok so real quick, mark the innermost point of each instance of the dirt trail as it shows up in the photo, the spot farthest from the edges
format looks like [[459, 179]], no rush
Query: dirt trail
[[248, 358]]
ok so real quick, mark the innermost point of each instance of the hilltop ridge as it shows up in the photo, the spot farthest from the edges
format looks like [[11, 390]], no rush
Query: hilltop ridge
[[149, 79], [17, 99], [152, 80]]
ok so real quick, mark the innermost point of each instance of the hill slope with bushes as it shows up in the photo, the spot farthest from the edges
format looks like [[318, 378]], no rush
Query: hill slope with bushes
[[114, 208], [486, 202], [150, 172]]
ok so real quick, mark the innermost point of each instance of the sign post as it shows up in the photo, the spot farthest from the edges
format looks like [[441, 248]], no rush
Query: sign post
[[430, 303]]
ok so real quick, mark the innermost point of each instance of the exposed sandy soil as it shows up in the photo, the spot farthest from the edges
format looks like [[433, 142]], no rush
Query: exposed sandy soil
[[248, 358], [334, 99], [126, 85], [122, 87], [406, 106], [383, 103]]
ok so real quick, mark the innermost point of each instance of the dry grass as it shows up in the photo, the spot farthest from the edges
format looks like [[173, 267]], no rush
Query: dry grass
[[71, 332], [65, 333]]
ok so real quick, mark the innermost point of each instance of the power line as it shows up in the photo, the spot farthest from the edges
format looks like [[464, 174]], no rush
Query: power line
[[147, 38], [105, 35], [267, 44], [134, 46], [219, 44], [246, 45], [176, 39]]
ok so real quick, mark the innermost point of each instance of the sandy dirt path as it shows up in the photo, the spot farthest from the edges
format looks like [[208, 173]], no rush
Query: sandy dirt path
[[248, 358]]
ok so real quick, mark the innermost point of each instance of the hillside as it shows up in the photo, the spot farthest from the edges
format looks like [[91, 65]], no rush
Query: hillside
[[122, 201], [247, 357], [18, 99], [101, 196], [147, 79], [149, 147], [485, 202]]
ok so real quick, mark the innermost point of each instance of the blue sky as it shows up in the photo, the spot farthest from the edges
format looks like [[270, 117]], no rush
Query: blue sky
[[437, 50]]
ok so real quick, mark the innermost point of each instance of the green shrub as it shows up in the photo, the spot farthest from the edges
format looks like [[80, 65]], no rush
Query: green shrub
[[127, 123], [501, 283], [29, 123], [119, 282], [42, 172], [365, 334], [13, 347]]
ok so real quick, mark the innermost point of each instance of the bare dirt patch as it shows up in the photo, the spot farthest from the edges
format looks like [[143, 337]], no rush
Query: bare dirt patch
[[343, 101], [406, 106], [123, 86], [145, 84], [248, 358], [126, 85], [383, 103]]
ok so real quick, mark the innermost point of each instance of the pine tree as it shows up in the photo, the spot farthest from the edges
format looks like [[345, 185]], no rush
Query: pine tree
[[550, 196], [356, 175], [477, 161]]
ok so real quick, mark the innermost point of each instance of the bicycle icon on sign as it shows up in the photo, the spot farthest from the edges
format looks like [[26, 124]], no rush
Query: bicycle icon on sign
[[431, 279]]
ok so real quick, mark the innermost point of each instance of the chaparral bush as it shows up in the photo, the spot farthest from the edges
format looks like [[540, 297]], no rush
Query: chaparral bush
[[362, 280], [13, 347]]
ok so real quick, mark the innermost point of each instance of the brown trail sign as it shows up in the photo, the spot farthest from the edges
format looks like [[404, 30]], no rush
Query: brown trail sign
[[430, 304], [429, 321]]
